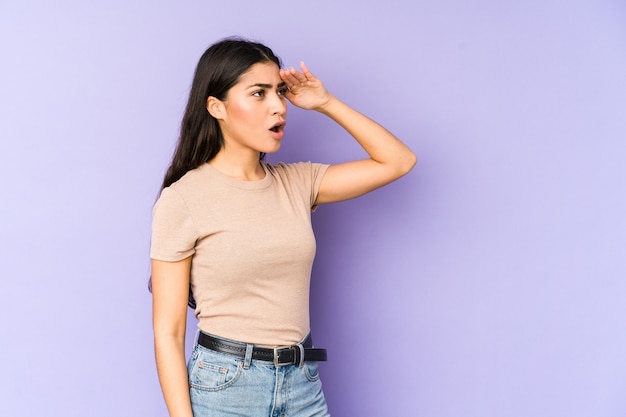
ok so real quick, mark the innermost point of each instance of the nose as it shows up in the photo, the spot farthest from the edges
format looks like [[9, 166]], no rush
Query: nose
[[278, 105]]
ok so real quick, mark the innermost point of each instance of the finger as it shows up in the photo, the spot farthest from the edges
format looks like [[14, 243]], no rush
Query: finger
[[298, 75], [288, 78], [306, 71], [289, 74]]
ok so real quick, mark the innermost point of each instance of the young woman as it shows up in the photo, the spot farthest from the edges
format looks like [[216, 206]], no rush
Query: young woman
[[232, 237]]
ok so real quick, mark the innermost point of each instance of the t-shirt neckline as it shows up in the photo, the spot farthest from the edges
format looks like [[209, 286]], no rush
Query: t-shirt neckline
[[246, 185]]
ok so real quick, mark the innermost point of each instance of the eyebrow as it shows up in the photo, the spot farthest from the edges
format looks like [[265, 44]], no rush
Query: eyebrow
[[262, 85]]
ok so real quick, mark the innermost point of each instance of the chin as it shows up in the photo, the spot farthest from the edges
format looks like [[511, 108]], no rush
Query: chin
[[275, 147]]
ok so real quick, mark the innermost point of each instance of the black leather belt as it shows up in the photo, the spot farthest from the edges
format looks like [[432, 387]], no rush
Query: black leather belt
[[288, 355]]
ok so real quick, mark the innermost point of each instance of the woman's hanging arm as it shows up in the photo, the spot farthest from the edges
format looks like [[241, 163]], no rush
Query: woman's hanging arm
[[170, 293]]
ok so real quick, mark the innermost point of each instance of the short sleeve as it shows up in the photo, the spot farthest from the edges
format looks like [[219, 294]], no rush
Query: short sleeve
[[317, 174], [174, 234], [306, 177]]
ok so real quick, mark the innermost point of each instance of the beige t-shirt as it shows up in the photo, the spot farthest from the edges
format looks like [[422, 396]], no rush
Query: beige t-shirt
[[252, 246]]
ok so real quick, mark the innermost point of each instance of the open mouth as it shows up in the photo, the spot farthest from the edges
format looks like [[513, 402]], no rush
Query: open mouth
[[277, 127]]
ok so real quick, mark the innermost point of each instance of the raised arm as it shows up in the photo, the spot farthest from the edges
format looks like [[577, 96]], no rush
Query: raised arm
[[170, 292], [389, 159]]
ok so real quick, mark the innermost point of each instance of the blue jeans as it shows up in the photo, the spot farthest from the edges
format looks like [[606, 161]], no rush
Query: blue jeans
[[226, 385]]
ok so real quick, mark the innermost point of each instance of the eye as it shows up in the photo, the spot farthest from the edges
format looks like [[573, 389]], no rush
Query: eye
[[259, 93], [283, 91]]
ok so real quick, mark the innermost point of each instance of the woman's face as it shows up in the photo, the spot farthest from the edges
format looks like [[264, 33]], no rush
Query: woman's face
[[253, 113]]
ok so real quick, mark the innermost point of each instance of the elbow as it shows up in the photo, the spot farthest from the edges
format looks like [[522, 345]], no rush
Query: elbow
[[413, 161], [407, 163], [168, 342]]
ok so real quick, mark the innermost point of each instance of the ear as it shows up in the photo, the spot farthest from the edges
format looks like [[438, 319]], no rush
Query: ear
[[215, 107]]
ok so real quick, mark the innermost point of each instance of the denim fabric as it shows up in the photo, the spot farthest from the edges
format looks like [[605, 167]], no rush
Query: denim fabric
[[220, 385]]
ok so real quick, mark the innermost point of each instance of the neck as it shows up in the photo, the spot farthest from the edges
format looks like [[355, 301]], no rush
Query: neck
[[245, 168]]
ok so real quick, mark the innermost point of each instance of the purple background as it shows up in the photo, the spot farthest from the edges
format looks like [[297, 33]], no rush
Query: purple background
[[488, 282]]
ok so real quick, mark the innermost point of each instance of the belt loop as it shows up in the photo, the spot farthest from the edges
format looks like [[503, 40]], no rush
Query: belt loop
[[299, 345], [248, 359]]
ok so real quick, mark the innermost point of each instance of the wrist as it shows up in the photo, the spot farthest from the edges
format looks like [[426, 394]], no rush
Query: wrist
[[327, 106]]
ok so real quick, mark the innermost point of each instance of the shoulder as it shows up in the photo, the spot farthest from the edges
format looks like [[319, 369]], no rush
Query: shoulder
[[191, 180], [300, 178], [182, 194], [282, 167], [296, 170]]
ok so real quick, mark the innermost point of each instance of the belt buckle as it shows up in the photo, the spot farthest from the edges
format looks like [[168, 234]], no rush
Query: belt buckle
[[277, 354]]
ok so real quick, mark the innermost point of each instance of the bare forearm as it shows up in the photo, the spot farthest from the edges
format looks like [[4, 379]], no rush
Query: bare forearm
[[170, 360], [380, 144]]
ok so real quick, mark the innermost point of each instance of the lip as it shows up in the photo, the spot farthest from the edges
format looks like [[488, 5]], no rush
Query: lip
[[279, 123], [279, 130]]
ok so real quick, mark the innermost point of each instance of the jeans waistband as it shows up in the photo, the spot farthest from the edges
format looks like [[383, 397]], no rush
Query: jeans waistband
[[287, 355]]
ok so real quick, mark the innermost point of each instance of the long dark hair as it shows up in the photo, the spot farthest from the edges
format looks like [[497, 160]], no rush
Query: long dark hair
[[219, 69]]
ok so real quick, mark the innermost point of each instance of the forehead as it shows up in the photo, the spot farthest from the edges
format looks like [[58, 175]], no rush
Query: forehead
[[260, 73]]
